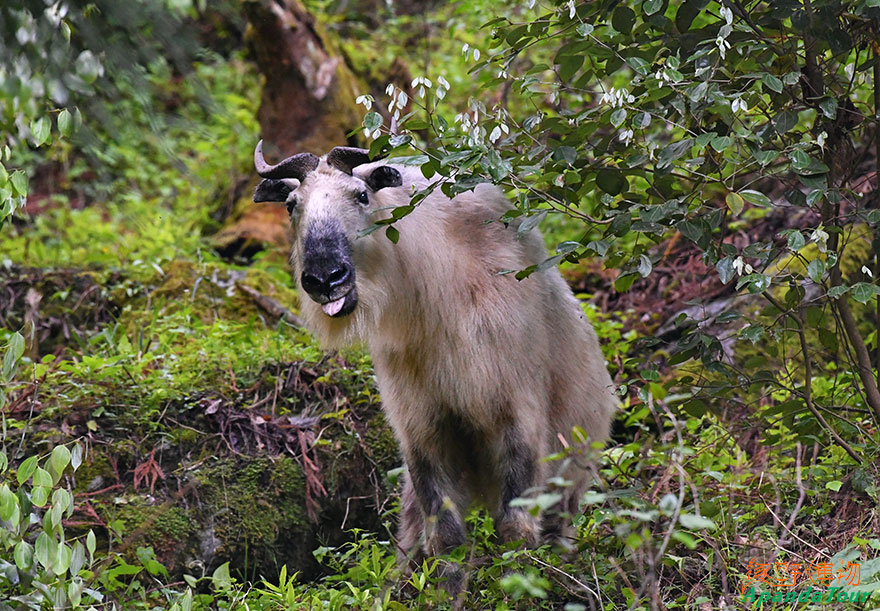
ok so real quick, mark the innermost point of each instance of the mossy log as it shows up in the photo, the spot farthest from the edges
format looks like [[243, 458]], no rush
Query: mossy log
[[257, 467]]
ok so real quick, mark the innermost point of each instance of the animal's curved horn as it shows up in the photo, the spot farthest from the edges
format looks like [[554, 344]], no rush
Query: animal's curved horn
[[292, 167], [346, 157]]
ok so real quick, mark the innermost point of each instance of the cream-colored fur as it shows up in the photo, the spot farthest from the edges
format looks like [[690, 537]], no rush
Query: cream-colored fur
[[450, 338]]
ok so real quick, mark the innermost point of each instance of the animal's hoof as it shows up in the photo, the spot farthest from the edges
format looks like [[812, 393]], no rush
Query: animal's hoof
[[518, 525], [453, 579]]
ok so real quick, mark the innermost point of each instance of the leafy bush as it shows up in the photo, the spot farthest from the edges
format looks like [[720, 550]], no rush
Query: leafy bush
[[692, 119]]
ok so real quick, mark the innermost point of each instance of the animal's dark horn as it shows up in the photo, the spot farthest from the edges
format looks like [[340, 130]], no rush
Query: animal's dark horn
[[346, 157], [292, 167]]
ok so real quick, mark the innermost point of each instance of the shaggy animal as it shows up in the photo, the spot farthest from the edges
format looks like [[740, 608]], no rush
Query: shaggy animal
[[480, 375]]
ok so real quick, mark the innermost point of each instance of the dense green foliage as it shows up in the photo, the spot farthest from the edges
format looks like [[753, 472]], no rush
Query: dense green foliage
[[643, 137]]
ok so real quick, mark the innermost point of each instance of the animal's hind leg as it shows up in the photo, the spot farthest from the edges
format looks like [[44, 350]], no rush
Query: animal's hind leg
[[556, 524], [519, 468]]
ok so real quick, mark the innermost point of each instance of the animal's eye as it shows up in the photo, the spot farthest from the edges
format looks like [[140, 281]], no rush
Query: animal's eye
[[291, 203], [362, 198]]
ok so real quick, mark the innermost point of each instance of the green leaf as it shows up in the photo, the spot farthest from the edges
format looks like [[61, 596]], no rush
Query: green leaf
[[863, 291], [26, 469], [14, 350], [796, 240], [41, 130], [530, 223], [624, 281], [20, 183], [836, 291], [645, 266], [623, 19], [569, 65], [566, 153], [704, 139], [675, 150], [585, 29], [752, 333], [725, 269], [372, 120], [804, 164], [44, 550], [721, 143], [221, 577], [690, 230], [735, 203], [90, 543], [8, 503], [42, 478], [392, 234], [76, 456], [652, 6], [772, 82], [618, 117], [613, 182], [695, 522], [765, 157], [815, 270], [756, 283], [829, 107], [24, 555], [61, 562], [834, 485], [65, 123], [4, 176], [40, 495], [784, 121], [88, 66], [639, 65], [687, 12], [58, 461], [685, 538], [756, 197]]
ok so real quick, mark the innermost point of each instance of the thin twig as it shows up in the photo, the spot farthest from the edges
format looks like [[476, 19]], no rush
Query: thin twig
[[808, 379], [271, 306], [802, 493], [31, 412], [580, 583]]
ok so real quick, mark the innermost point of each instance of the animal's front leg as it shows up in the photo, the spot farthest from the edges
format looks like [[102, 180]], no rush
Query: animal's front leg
[[444, 527], [519, 468], [412, 526]]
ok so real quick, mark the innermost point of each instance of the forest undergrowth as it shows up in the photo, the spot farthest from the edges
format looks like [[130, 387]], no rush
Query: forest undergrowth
[[172, 438]]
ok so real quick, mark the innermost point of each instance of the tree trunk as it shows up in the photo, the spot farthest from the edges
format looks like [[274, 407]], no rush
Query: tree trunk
[[308, 97]]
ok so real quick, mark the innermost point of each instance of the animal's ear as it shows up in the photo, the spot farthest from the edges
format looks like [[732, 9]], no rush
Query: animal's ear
[[273, 190], [384, 176]]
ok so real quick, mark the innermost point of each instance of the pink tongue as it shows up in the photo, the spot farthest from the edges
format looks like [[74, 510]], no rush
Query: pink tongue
[[332, 307]]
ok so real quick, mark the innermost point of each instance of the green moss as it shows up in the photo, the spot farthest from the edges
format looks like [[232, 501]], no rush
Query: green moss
[[379, 438], [94, 473], [257, 510], [185, 436], [168, 529]]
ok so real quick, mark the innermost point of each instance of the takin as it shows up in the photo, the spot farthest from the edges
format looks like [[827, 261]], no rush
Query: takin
[[481, 375]]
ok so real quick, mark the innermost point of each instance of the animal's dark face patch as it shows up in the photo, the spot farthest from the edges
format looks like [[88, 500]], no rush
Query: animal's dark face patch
[[382, 177], [328, 274], [272, 190]]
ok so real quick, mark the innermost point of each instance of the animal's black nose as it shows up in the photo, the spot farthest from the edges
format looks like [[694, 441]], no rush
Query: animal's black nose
[[324, 281]]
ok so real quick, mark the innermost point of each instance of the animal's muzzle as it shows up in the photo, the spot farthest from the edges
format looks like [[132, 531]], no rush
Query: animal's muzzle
[[326, 280], [328, 274]]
